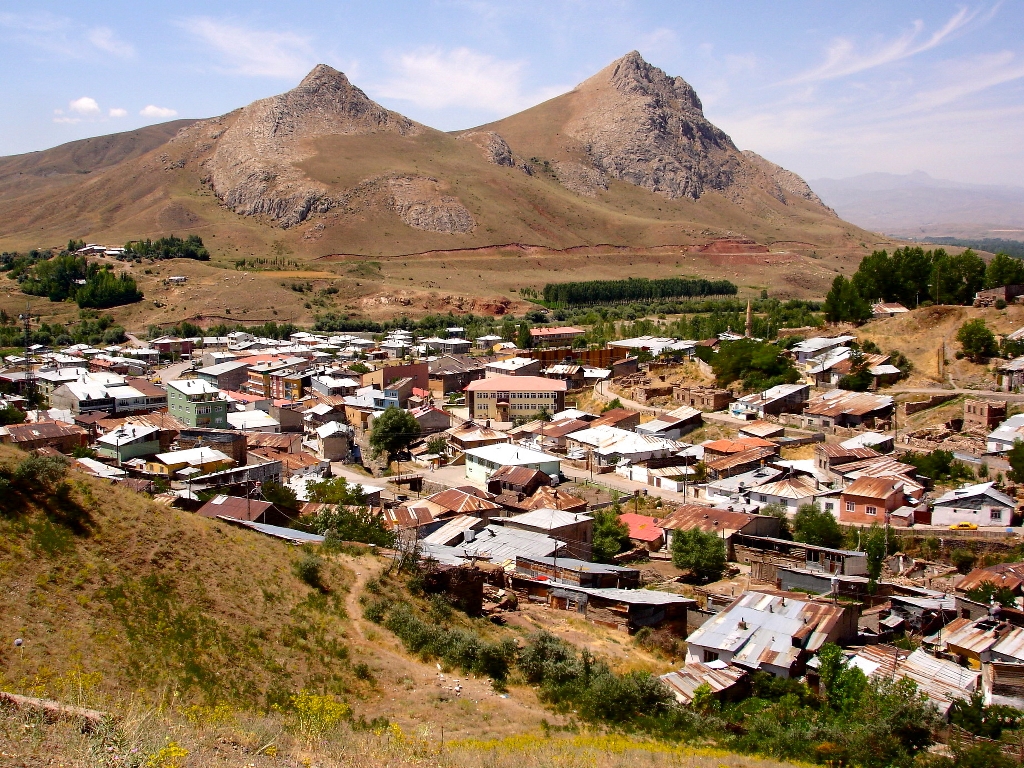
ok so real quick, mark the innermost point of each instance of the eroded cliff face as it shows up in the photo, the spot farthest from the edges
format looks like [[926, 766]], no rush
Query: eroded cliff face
[[790, 182], [253, 168], [641, 126], [630, 122]]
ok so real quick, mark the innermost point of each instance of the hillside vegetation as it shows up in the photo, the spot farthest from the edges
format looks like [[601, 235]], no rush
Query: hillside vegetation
[[115, 593]]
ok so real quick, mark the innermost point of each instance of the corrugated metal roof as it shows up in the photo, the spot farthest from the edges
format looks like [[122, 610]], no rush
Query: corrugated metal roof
[[453, 530], [760, 627], [717, 675], [839, 402], [740, 459], [549, 519], [632, 596]]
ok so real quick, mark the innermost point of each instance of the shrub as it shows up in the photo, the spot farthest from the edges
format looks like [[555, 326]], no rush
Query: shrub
[[702, 553], [315, 714], [962, 559], [308, 569]]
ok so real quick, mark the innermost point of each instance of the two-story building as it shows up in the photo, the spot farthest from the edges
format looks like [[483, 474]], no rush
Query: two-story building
[[505, 397], [870, 500], [197, 403]]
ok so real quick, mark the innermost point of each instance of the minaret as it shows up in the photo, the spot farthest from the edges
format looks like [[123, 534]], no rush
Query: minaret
[[748, 329]]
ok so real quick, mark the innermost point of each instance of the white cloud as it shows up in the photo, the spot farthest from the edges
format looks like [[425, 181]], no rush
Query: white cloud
[[247, 51], [85, 106], [105, 39], [118, 112], [844, 59], [69, 120], [151, 110], [435, 79]]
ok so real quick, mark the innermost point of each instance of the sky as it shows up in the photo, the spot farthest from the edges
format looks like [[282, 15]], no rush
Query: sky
[[826, 89]]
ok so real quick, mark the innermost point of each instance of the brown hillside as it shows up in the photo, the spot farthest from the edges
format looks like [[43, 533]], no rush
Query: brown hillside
[[627, 159]]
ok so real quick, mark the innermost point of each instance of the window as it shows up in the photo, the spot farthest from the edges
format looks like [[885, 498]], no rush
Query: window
[[850, 506], [870, 510], [829, 506], [710, 656], [996, 514]]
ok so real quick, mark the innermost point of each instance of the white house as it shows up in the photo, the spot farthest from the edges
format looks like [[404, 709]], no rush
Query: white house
[[980, 504], [482, 462]]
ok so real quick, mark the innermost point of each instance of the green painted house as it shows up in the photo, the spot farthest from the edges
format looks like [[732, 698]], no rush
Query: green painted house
[[129, 441], [197, 403]]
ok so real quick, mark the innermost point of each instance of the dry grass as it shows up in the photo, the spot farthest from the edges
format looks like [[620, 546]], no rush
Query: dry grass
[[921, 333], [191, 739], [154, 599]]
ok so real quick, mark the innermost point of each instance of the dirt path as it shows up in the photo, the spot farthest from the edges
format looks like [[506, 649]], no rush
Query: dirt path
[[416, 694]]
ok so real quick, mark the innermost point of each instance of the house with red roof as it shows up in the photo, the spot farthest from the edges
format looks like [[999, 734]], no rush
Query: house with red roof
[[644, 531]]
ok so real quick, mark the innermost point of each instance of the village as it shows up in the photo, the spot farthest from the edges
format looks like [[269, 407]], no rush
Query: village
[[507, 461]]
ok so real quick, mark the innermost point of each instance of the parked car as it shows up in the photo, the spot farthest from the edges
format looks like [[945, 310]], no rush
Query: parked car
[[963, 526]]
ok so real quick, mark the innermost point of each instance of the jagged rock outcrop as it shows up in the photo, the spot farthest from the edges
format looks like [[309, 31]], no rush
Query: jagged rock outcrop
[[790, 182], [253, 169], [582, 179], [419, 202], [496, 150], [649, 129]]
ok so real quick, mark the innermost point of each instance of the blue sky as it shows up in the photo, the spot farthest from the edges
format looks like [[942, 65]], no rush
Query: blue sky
[[823, 88]]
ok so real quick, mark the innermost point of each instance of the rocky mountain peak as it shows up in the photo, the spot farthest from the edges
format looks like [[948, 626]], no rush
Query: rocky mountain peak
[[649, 129], [632, 74], [254, 167]]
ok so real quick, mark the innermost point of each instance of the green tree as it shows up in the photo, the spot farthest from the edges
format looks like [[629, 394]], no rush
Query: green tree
[[612, 405], [1004, 270], [701, 553], [103, 289], [523, 338], [758, 364], [844, 303], [437, 444], [340, 523], [955, 279], [1015, 458], [976, 340], [10, 414], [876, 549], [987, 593], [280, 495], [336, 490], [392, 433], [611, 536], [859, 378], [812, 526], [779, 511], [841, 684]]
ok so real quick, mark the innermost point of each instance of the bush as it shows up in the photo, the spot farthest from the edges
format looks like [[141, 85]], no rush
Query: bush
[[308, 568], [962, 559], [702, 553]]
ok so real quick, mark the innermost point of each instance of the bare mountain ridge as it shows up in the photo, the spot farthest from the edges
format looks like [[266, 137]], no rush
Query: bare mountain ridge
[[325, 169], [917, 205]]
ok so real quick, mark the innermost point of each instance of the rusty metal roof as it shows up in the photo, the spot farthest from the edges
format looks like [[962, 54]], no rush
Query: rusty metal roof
[[874, 487], [742, 458], [839, 402], [1004, 575], [705, 518], [717, 675]]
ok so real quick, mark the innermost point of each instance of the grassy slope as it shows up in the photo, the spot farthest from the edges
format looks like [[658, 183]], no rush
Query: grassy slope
[[156, 599]]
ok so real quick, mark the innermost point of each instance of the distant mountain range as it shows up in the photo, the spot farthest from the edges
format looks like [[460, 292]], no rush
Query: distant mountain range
[[915, 205], [625, 158]]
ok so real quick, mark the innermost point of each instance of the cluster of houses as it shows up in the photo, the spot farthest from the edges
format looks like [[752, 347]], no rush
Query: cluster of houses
[[252, 410]]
